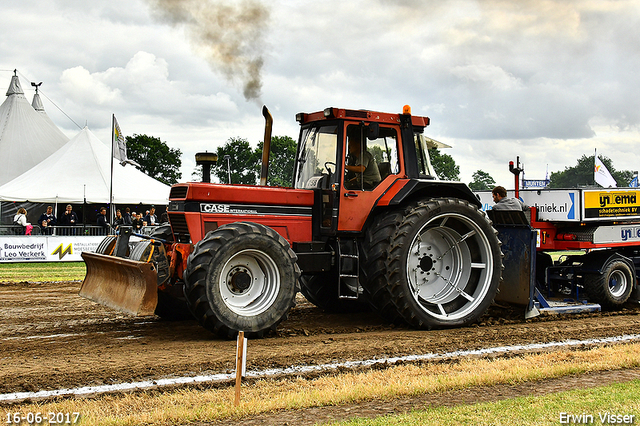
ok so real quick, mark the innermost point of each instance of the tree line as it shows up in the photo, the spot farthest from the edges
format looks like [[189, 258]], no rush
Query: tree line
[[578, 176], [242, 166]]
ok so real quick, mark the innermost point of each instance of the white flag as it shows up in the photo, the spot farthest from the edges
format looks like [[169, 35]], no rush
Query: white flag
[[120, 147], [602, 175]]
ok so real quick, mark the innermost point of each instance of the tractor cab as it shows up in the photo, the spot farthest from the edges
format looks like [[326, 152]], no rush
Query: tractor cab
[[351, 158]]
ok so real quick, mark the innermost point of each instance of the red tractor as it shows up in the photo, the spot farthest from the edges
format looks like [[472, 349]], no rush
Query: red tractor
[[366, 223]]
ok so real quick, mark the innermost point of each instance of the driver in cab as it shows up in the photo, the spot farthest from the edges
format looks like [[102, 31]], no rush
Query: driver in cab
[[361, 168]]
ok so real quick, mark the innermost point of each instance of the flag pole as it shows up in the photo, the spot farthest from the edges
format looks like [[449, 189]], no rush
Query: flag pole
[[595, 161], [113, 136]]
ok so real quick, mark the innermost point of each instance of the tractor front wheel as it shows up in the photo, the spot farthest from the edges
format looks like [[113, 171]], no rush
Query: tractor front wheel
[[241, 277]]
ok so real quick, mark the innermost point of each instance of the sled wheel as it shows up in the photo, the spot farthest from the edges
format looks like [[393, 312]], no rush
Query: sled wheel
[[613, 288], [241, 277], [441, 264], [107, 245], [322, 291]]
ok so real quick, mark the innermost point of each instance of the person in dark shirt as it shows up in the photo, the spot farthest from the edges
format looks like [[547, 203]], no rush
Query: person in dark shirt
[[47, 221], [151, 217], [69, 218], [126, 217], [101, 221], [119, 220], [136, 222]]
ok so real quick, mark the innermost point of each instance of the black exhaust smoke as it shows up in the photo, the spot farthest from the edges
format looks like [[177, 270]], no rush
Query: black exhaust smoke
[[229, 34]]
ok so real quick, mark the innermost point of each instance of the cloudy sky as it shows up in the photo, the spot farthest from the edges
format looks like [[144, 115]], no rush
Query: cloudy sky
[[546, 80]]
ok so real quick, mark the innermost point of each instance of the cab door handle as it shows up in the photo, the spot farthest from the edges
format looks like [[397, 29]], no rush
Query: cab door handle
[[350, 194]]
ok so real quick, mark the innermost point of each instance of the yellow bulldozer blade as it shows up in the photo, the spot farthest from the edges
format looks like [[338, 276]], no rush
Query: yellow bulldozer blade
[[126, 285]]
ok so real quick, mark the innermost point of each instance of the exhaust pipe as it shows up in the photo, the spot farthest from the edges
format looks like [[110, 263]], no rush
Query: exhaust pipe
[[266, 147]]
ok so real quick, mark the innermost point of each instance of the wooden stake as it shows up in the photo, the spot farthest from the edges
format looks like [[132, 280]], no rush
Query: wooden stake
[[239, 365]]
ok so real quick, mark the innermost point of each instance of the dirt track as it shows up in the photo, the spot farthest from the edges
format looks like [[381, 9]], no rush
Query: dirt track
[[50, 338]]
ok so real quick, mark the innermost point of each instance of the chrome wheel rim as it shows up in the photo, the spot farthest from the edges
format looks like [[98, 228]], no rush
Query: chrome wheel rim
[[449, 266], [249, 283], [617, 283]]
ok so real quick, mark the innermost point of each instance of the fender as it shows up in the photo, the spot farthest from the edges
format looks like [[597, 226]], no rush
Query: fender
[[595, 262], [425, 188]]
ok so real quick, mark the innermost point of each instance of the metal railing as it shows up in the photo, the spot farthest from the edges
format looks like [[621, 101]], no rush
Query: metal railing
[[78, 230]]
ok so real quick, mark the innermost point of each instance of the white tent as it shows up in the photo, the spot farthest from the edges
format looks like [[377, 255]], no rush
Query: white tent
[[26, 136], [81, 170]]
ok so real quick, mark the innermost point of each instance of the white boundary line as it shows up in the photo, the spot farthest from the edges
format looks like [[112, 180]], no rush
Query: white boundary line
[[86, 390]]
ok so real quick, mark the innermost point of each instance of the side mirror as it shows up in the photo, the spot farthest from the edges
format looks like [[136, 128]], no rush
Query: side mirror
[[373, 131]]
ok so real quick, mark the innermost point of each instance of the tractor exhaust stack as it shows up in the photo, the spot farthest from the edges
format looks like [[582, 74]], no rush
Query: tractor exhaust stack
[[266, 146]]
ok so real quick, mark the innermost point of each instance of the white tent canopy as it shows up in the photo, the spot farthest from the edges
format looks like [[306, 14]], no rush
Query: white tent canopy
[[81, 170], [26, 135]]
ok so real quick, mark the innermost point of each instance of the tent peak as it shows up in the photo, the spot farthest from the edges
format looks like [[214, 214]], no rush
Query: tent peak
[[37, 103], [14, 87]]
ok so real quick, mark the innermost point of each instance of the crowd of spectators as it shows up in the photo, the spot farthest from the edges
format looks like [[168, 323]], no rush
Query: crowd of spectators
[[67, 223]]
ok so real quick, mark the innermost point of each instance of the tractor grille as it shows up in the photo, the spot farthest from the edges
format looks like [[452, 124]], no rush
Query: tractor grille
[[178, 192], [179, 227]]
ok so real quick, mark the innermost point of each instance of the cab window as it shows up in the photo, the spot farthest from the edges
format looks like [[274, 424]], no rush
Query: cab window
[[316, 165], [369, 161]]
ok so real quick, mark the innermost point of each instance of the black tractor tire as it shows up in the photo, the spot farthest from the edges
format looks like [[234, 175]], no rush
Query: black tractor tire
[[241, 277], [163, 231], [613, 288], [107, 245], [322, 291], [436, 264]]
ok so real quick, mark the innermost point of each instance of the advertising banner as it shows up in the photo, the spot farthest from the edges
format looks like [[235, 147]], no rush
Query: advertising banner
[[611, 203], [553, 205], [46, 248]]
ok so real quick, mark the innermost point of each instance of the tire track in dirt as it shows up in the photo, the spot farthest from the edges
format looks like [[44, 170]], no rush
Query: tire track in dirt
[[50, 338]]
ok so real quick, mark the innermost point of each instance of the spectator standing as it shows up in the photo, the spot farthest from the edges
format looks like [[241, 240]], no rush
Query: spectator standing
[[126, 217], [101, 221], [20, 218], [151, 217], [69, 218], [136, 222], [119, 220], [164, 217], [47, 221]]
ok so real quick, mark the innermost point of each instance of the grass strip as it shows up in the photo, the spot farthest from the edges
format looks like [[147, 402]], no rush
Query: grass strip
[[42, 272], [190, 405], [614, 404]]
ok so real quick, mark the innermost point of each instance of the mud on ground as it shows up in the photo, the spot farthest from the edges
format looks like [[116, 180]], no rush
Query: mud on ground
[[50, 338]]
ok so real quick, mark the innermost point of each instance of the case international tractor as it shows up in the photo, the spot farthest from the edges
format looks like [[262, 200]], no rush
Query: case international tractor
[[413, 248]]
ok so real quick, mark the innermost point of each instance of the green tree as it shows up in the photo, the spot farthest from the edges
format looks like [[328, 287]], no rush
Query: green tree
[[444, 165], [155, 158], [482, 181], [242, 163], [282, 155], [582, 174]]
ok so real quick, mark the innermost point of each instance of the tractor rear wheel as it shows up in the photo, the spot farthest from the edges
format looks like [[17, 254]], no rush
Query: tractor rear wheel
[[241, 277], [613, 288], [435, 265]]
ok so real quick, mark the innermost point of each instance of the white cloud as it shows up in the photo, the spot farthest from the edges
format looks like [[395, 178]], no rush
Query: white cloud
[[547, 80]]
